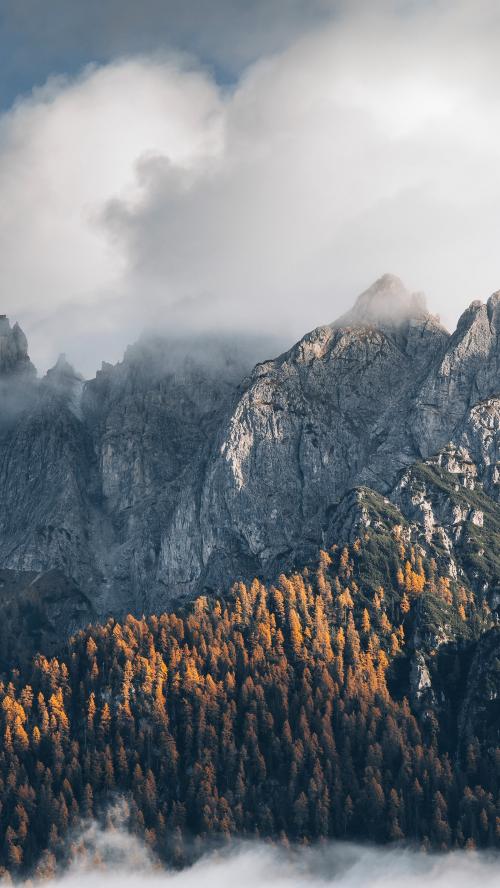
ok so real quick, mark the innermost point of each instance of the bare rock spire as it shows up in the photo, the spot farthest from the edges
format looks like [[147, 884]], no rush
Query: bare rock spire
[[14, 358]]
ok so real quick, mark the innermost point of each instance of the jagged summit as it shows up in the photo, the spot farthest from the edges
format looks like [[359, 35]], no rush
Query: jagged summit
[[14, 358], [63, 382], [185, 468], [62, 372], [386, 303]]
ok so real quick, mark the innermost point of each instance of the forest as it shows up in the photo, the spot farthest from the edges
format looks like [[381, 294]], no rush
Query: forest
[[280, 711]]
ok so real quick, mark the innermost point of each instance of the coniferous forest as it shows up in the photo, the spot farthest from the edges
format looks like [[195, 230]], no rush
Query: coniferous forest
[[283, 711]]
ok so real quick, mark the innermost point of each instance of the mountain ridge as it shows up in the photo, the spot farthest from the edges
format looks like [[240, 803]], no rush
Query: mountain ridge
[[172, 473]]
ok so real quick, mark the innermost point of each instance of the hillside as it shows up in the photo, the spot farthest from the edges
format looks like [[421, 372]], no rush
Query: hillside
[[355, 699]]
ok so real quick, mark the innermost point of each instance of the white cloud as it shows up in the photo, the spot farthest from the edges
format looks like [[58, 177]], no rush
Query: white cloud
[[64, 153], [114, 859], [143, 193]]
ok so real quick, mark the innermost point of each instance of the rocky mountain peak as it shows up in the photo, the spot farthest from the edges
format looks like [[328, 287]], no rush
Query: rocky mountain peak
[[14, 359], [62, 372], [493, 308], [387, 303], [480, 316], [63, 382], [184, 468]]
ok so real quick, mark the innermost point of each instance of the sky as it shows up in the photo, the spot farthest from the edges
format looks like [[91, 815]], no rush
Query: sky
[[247, 165]]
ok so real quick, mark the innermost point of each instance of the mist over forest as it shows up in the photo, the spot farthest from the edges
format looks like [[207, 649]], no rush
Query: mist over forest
[[111, 858]]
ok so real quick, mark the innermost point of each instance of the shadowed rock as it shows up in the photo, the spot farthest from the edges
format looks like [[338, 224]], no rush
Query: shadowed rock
[[14, 359]]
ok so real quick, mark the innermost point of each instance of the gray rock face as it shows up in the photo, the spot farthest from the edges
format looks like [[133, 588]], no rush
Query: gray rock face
[[91, 472], [467, 373], [421, 683], [351, 404], [152, 420], [46, 489], [176, 471], [452, 501], [14, 360], [17, 375]]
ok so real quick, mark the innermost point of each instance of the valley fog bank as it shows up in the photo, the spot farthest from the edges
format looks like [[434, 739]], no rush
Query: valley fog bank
[[114, 859]]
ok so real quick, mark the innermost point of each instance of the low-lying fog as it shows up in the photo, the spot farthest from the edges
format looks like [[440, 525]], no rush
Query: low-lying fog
[[113, 859]]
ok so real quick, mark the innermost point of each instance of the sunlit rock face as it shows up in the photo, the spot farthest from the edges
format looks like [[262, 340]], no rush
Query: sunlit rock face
[[467, 373], [181, 468], [320, 419], [353, 403]]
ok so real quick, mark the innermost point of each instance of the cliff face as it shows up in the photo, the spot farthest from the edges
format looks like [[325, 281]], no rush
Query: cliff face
[[14, 359], [354, 403], [152, 420], [467, 373], [17, 375], [90, 473], [181, 469]]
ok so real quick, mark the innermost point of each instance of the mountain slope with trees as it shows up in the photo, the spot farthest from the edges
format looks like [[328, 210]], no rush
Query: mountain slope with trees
[[356, 698]]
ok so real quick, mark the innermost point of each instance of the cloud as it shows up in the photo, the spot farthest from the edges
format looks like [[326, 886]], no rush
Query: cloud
[[114, 859], [37, 39], [145, 193], [64, 153]]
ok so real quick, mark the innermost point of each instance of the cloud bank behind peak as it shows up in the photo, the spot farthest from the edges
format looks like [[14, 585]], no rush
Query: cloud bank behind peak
[[143, 194]]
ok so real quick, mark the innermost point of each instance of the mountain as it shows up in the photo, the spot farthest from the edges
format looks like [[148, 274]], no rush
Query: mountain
[[181, 468], [315, 539], [91, 472], [355, 403]]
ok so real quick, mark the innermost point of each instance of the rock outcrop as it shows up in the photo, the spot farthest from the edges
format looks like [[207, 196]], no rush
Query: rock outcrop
[[14, 358], [90, 473], [17, 375]]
